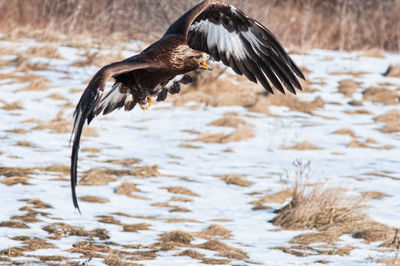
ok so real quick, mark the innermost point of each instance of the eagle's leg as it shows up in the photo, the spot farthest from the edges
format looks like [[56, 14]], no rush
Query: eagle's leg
[[149, 102]]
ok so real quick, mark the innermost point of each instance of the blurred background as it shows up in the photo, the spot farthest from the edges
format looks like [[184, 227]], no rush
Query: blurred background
[[335, 24]]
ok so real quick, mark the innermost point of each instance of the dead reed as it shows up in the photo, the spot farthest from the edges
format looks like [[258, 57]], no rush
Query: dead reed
[[337, 24]]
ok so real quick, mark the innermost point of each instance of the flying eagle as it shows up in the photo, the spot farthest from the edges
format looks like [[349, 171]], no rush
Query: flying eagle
[[212, 30]]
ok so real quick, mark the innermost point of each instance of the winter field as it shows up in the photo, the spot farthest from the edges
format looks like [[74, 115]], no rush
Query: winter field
[[220, 174]]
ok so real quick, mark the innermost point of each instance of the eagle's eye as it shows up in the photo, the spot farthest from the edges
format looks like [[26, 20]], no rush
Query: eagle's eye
[[197, 57]]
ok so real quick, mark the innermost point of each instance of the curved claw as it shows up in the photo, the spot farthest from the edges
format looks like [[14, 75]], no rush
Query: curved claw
[[148, 103]]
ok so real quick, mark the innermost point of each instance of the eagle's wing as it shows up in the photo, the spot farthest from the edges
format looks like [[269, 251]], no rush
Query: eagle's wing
[[94, 100], [240, 42]]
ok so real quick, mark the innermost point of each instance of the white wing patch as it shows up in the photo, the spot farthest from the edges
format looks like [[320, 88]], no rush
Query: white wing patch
[[175, 79], [227, 42], [114, 99]]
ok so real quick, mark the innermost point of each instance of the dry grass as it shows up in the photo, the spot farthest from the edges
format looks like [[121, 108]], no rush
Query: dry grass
[[377, 53], [228, 120], [278, 197], [224, 250], [191, 253], [332, 25], [96, 177], [345, 131], [235, 179], [381, 95], [393, 71], [374, 195], [124, 162], [242, 132], [108, 220], [126, 188], [320, 207], [93, 199], [391, 120], [13, 224], [358, 144], [62, 125], [177, 237], [290, 101], [135, 227], [333, 211], [13, 106], [180, 199], [36, 83], [14, 180], [98, 59], [181, 190], [47, 51], [347, 87], [214, 231], [303, 145], [145, 171]]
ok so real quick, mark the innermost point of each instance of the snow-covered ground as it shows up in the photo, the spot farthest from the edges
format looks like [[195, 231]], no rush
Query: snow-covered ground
[[161, 137]]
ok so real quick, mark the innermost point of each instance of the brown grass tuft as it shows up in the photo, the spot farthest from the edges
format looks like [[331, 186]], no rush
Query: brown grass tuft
[[374, 195], [124, 162], [89, 249], [213, 261], [126, 188], [191, 253], [13, 106], [223, 249], [36, 83], [181, 190], [179, 209], [47, 51], [135, 227], [98, 59], [391, 119], [228, 121], [145, 171], [374, 53], [242, 132], [303, 145], [13, 224], [381, 95], [214, 231], [290, 101], [96, 177], [333, 211], [23, 143], [177, 237], [278, 197], [345, 131], [93, 199], [315, 237], [320, 207], [180, 199], [235, 179], [14, 180], [347, 87], [359, 144], [107, 219], [393, 71]]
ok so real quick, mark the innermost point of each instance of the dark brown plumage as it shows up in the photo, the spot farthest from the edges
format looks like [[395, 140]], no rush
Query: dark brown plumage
[[210, 28]]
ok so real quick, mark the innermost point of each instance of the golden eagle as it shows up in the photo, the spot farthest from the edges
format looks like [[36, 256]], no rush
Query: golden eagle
[[212, 29]]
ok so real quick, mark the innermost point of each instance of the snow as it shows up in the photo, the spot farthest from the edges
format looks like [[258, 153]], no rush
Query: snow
[[155, 137]]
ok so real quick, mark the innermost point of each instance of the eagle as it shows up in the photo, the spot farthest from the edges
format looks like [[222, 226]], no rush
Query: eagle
[[211, 30]]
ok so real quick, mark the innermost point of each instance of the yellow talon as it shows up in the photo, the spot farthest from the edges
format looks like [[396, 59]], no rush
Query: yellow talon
[[149, 102]]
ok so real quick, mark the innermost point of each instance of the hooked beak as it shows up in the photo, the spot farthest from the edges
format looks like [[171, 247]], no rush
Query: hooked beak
[[206, 62]]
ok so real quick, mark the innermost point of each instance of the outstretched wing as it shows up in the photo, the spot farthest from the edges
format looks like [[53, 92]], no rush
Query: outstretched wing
[[94, 100], [241, 43]]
